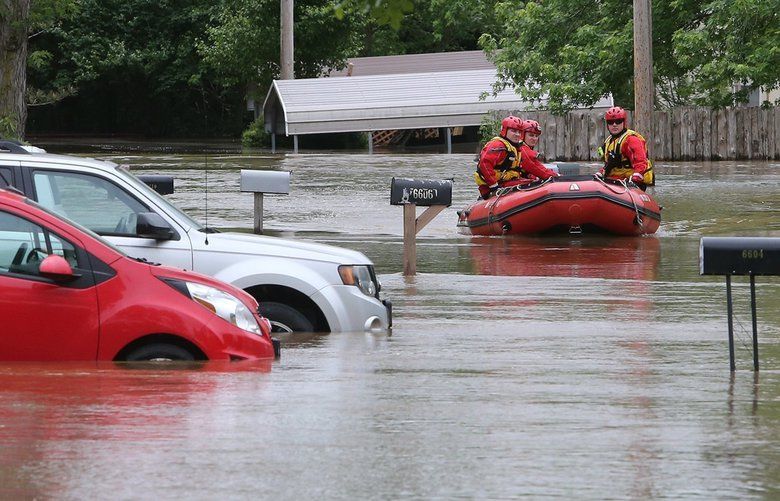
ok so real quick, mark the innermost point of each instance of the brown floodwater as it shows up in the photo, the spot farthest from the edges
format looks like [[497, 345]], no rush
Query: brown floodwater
[[569, 367]]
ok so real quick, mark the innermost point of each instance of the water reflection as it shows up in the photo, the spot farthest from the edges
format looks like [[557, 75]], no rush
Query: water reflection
[[602, 257], [49, 412]]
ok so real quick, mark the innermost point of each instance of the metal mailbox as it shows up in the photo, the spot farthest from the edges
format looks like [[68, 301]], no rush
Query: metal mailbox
[[739, 256], [159, 183], [265, 181], [421, 192]]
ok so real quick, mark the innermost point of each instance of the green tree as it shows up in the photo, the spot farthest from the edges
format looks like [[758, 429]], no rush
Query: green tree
[[136, 69], [14, 20], [21, 21], [737, 42], [574, 52], [433, 26], [243, 45], [383, 12]]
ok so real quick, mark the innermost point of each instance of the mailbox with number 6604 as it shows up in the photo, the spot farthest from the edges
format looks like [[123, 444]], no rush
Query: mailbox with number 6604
[[739, 256], [750, 256]]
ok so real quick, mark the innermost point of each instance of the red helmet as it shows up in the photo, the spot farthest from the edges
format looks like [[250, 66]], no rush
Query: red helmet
[[510, 122], [531, 126], [615, 113]]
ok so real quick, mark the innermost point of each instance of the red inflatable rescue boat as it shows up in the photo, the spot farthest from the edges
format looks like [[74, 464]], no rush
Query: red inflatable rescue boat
[[568, 204]]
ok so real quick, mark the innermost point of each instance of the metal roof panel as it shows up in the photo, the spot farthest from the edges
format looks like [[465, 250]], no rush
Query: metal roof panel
[[380, 102]]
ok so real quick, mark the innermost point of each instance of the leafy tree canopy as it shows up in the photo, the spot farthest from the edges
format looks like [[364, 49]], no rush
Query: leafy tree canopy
[[737, 42], [243, 45], [433, 26], [133, 65], [577, 51], [383, 12]]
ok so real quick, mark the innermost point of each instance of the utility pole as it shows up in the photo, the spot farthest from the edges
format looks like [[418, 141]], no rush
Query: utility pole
[[286, 56], [644, 90]]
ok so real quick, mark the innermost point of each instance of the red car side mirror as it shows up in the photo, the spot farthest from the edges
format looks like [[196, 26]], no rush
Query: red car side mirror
[[56, 268]]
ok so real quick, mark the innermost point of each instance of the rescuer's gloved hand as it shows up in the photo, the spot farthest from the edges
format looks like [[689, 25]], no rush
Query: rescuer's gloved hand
[[637, 178], [599, 175]]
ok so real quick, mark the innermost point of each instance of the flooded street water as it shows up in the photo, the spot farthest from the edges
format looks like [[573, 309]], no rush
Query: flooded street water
[[586, 367]]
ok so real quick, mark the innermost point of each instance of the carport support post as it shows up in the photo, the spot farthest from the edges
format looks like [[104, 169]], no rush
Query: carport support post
[[295, 143], [273, 142], [370, 135], [259, 213], [449, 139], [412, 226]]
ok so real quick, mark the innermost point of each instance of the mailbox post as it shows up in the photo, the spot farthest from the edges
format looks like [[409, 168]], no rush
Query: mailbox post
[[749, 256], [260, 182], [436, 195]]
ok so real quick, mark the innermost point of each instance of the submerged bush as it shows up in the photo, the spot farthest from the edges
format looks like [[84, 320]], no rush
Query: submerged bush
[[255, 135]]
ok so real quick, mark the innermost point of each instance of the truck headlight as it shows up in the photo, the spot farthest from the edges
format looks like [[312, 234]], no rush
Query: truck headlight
[[359, 276], [222, 304]]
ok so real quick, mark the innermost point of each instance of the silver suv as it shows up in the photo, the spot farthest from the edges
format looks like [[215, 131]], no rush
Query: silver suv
[[300, 286]]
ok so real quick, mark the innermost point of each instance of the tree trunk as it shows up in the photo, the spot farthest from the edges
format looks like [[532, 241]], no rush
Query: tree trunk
[[13, 66]]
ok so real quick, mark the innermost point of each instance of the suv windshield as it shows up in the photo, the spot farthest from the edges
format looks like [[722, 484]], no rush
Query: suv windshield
[[166, 205]]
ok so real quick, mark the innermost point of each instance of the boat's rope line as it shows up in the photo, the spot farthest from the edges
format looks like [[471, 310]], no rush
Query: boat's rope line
[[639, 220], [533, 185], [626, 189]]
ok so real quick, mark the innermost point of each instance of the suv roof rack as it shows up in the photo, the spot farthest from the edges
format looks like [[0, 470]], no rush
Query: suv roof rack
[[11, 146]]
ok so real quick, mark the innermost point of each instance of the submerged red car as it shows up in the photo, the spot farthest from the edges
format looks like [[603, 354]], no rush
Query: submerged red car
[[66, 294]]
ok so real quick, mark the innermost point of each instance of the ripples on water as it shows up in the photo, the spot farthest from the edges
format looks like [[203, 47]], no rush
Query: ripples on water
[[591, 367]]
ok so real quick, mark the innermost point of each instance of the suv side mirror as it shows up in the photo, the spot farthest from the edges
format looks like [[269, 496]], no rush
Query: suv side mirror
[[152, 225], [56, 268]]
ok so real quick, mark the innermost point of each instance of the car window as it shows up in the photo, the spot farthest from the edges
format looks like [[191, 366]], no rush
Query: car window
[[24, 244], [160, 200], [91, 201], [6, 176]]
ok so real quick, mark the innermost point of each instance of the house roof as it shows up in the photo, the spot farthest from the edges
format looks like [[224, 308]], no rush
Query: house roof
[[444, 98], [414, 63]]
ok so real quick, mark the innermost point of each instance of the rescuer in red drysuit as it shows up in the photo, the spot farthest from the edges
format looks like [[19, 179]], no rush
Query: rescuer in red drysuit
[[530, 132], [500, 162], [625, 152]]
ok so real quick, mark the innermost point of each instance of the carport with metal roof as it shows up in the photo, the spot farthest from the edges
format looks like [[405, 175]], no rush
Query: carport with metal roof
[[442, 99]]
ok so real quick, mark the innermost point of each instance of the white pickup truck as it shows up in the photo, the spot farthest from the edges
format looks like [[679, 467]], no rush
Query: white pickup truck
[[300, 286]]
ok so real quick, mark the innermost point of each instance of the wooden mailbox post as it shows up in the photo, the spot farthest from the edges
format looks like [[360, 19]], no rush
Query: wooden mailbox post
[[264, 181], [436, 195]]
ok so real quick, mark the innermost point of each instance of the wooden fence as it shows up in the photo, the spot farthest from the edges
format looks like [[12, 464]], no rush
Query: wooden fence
[[685, 133]]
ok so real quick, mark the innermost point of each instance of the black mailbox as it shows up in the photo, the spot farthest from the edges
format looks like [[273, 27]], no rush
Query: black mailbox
[[159, 183], [739, 256], [420, 192]]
